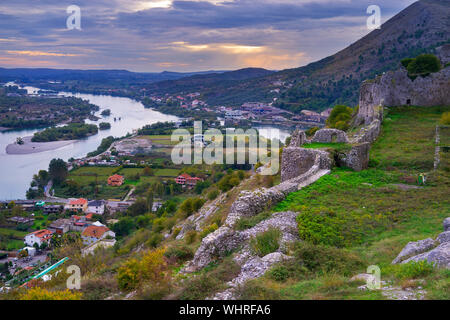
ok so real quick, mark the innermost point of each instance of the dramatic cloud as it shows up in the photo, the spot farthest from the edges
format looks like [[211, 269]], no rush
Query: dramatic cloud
[[156, 35]]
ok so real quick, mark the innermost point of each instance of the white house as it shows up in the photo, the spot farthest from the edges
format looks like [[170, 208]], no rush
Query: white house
[[93, 234], [38, 237], [96, 207]]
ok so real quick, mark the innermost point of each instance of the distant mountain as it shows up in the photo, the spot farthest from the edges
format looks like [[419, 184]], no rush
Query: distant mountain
[[420, 28], [29, 74], [208, 82]]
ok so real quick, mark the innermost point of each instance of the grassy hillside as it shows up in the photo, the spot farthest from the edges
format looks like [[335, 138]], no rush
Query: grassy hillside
[[357, 219]]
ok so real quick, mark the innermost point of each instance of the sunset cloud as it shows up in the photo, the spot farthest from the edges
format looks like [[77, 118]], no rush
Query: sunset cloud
[[183, 35]]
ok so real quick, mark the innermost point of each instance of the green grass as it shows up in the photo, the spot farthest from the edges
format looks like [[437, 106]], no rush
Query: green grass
[[12, 233], [167, 172], [336, 146], [367, 215], [408, 139]]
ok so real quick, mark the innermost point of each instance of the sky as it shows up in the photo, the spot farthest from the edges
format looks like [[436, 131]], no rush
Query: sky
[[180, 35]]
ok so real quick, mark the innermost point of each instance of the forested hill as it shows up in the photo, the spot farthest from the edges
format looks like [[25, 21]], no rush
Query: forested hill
[[420, 28]]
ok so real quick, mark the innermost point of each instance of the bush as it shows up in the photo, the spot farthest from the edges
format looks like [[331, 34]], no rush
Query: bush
[[213, 194], [44, 294], [445, 119], [311, 131], [206, 284], [340, 117], [190, 236], [266, 242], [322, 259], [180, 253], [209, 229], [151, 269], [279, 273], [414, 270]]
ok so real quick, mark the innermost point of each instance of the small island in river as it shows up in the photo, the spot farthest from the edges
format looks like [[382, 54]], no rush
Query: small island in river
[[29, 147]]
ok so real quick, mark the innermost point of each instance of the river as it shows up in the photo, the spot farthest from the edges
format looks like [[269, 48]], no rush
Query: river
[[16, 171]]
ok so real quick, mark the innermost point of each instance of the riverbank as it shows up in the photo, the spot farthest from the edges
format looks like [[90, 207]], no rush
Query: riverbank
[[30, 147]]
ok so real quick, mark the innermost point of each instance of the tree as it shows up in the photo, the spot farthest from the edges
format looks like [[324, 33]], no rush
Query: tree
[[139, 207], [147, 172], [423, 65], [149, 198], [57, 171], [340, 117]]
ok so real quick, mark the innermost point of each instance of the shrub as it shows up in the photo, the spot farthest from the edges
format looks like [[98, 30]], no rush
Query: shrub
[[190, 236], [279, 273], [340, 117], [209, 229], [255, 290], [151, 268], [322, 259], [206, 284], [180, 253], [445, 119], [266, 242], [414, 270], [311, 131], [405, 62], [249, 222], [44, 294], [154, 240], [213, 194]]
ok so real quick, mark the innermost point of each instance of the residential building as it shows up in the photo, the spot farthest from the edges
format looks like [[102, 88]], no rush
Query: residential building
[[21, 220], [93, 234], [60, 226], [115, 180], [38, 237], [48, 209], [186, 179], [96, 207], [77, 204]]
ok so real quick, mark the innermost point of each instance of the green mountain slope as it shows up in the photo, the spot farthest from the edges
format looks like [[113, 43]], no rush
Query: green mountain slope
[[420, 28]]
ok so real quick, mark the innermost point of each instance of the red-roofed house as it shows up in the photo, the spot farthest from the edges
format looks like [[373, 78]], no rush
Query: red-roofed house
[[95, 233], [77, 204], [186, 179], [38, 237], [115, 180]]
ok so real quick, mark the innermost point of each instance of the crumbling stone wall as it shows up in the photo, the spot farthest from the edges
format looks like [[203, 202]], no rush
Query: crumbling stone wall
[[395, 88], [357, 158], [330, 136]]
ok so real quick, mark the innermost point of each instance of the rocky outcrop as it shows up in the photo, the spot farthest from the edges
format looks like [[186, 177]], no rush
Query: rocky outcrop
[[253, 266], [434, 251], [395, 88], [357, 158], [196, 221], [414, 248], [446, 224], [330, 136]]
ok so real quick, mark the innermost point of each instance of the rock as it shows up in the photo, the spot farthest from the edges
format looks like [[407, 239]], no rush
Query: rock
[[443, 237], [413, 249], [225, 240], [329, 136], [357, 158], [216, 244], [439, 255], [447, 224], [365, 277], [250, 203], [298, 138], [252, 269]]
